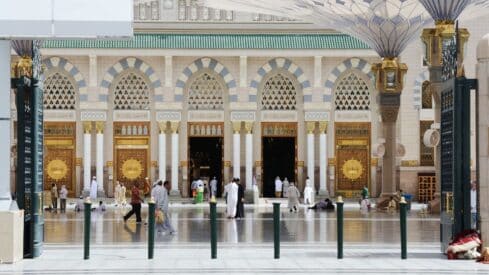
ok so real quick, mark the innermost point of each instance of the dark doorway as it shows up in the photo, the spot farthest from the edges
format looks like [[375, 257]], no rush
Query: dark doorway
[[205, 160], [278, 160]]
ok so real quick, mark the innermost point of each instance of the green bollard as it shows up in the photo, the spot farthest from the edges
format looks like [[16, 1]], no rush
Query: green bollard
[[403, 210], [213, 230], [86, 231], [339, 226], [276, 229], [151, 228]]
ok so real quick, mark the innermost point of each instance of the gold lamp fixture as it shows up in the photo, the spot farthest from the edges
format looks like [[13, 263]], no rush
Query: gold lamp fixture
[[22, 68], [389, 75]]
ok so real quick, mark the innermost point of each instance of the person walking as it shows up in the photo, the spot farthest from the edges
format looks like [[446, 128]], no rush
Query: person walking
[[294, 196], [285, 188], [213, 187], [160, 195], [231, 192], [135, 203], [308, 193], [278, 187], [240, 204], [63, 195], [93, 189], [54, 196]]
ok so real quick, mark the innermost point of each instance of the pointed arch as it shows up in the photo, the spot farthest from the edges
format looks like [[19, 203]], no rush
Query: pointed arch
[[285, 64], [351, 63], [418, 89], [130, 63], [71, 70], [211, 64]]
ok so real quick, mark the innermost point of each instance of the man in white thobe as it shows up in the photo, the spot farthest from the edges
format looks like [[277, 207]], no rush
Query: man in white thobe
[[213, 187], [160, 195], [285, 188], [231, 192], [93, 189], [278, 187], [308, 193]]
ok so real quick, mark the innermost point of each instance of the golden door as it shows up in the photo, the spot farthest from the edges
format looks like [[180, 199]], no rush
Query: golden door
[[59, 157], [352, 158], [132, 165]]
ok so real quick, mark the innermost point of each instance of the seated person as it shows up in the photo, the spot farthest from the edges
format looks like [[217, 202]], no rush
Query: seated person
[[79, 205], [327, 205], [392, 206], [101, 207]]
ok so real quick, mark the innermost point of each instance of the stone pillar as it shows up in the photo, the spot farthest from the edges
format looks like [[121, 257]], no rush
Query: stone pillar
[[162, 151], [483, 134], [236, 148], [87, 161], [323, 159], [5, 195], [311, 125], [174, 158], [99, 125], [389, 117], [249, 195]]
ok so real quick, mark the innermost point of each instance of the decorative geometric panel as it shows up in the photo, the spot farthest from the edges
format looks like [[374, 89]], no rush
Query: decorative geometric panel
[[131, 93], [206, 93], [59, 93], [427, 97], [278, 93], [352, 94]]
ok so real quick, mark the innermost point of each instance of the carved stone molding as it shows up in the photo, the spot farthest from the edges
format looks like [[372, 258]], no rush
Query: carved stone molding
[[357, 116], [168, 116], [316, 116], [205, 115], [389, 114], [93, 116], [243, 116], [59, 115], [120, 115], [277, 116]]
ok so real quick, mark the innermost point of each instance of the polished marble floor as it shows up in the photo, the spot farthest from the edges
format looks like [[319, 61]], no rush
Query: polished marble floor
[[192, 224]]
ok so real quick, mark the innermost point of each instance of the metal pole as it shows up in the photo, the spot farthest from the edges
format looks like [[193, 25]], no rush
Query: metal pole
[[86, 235], [403, 209], [276, 229], [339, 226], [151, 228], [213, 231]]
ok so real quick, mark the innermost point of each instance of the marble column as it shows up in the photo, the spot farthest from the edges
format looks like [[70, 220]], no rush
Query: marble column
[[389, 118], [236, 148], [162, 151], [323, 159], [311, 125], [87, 161], [99, 126], [174, 158], [5, 196], [249, 155], [483, 134]]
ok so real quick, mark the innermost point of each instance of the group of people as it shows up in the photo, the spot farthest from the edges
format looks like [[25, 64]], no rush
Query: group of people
[[160, 195], [62, 195], [234, 194], [288, 190], [201, 190]]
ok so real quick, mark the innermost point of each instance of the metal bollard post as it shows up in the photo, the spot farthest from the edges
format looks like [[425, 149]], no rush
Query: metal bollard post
[[339, 226], [276, 229], [403, 209], [151, 228], [213, 230], [86, 231]]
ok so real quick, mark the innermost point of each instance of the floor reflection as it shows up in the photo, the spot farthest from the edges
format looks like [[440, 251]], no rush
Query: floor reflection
[[192, 225]]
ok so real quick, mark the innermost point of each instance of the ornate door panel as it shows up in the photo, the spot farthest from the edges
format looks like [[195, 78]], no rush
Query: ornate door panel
[[59, 158], [131, 152], [132, 165], [352, 158]]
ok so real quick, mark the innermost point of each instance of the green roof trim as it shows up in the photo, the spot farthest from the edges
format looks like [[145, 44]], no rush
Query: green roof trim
[[216, 41]]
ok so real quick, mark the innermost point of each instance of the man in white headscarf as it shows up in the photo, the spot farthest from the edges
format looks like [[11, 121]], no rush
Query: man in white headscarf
[[231, 192], [93, 189], [294, 196], [308, 193], [285, 188]]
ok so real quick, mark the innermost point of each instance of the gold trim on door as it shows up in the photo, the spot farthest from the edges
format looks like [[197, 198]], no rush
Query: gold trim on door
[[352, 158]]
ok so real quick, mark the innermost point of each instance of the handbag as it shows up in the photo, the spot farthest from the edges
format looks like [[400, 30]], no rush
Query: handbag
[[159, 216]]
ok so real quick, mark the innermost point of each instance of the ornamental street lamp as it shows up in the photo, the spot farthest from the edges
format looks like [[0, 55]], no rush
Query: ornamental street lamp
[[436, 41], [387, 26]]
